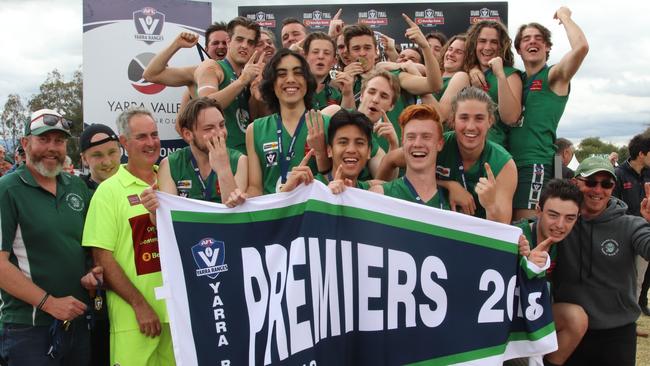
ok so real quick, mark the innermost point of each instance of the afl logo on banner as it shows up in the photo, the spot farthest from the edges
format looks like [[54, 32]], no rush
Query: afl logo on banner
[[136, 68], [209, 256], [148, 24]]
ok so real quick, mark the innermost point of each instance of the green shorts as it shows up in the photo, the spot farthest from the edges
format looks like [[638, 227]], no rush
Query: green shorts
[[530, 181], [132, 348]]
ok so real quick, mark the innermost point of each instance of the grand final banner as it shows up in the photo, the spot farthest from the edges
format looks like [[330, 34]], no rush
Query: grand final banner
[[120, 39], [309, 278], [448, 18]]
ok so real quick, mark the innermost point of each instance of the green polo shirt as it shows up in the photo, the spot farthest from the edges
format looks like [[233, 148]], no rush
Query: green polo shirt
[[42, 234], [118, 222]]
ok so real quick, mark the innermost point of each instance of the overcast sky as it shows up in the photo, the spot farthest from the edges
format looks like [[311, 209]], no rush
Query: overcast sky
[[610, 95]]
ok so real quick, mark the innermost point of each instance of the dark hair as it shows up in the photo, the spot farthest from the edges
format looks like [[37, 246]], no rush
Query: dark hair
[[346, 117], [546, 35], [270, 75], [246, 23], [639, 144], [216, 27], [356, 30], [562, 144], [505, 52], [441, 37], [292, 20], [562, 189], [190, 113], [318, 35], [418, 50]]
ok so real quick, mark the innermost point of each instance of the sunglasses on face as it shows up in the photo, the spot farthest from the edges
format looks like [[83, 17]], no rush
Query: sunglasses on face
[[49, 120], [591, 183]]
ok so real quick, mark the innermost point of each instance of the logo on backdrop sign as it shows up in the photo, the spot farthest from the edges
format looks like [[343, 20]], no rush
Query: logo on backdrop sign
[[373, 18], [263, 19], [148, 23], [209, 256], [476, 16], [135, 71], [316, 19], [429, 18]]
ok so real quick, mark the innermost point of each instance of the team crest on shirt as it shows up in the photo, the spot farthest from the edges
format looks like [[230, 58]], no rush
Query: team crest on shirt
[[271, 158], [210, 257], [268, 146], [536, 85], [183, 187], [442, 171], [610, 247], [75, 202], [243, 118]]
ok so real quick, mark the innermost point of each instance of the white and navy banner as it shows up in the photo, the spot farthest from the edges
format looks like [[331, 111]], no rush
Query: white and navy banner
[[309, 278]]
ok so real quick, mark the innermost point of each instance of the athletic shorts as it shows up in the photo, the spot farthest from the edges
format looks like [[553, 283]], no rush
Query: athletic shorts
[[531, 180], [606, 347], [132, 348]]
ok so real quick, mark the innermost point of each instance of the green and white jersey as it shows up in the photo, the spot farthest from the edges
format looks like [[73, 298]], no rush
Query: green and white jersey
[[445, 84], [265, 133], [237, 113], [499, 131], [326, 97], [532, 143], [42, 234], [118, 222], [399, 188], [187, 180], [449, 163]]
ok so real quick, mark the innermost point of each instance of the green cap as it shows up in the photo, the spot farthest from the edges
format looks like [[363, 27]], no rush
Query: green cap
[[593, 165], [43, 128]]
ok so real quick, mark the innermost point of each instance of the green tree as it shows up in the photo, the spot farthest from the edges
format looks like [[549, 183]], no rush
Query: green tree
[[13, 117], [65, 97], [594, 146]]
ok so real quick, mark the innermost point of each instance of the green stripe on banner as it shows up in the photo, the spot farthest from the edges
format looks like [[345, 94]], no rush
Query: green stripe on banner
[[346, 211], [489, 351]]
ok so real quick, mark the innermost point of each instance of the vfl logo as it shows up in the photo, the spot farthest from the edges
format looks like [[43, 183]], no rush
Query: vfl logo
[[209, 256], [148, 23], [485, 12], [260, 16]]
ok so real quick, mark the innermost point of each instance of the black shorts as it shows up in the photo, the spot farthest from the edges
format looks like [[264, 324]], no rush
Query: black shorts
[[606, 347]]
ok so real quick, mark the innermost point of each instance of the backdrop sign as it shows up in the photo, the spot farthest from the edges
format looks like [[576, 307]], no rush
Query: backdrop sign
[[120, 38], [309, 278], [449, 18]]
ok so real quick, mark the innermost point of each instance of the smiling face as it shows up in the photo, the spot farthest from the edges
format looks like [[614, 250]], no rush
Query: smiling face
[[350, 149], [532, 47], [421, 141], [471, 123], [218, 45], [290, 85], [454, 56], [209, 122], [595, 199], [266, 47], [320, 57], [46, 152], [487, 46], [102, 160], [242, 44], [143, 143], [436, 46], [292, 33], [557, 218], [377, 96]]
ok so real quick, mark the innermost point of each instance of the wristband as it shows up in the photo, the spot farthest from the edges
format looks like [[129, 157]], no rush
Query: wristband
[[43, 300]]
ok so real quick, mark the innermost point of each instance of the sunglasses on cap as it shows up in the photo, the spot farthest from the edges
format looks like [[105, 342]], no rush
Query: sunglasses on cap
[[49, 120], [591, 183]]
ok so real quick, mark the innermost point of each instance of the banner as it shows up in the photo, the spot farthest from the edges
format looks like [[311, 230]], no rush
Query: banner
[[448, 18], [309, 278], [120, 38]]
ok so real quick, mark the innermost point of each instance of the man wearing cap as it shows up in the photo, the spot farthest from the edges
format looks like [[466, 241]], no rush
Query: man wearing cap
[[125, 244], [100, 151], [596, 267], [42, 211], [19, 159]]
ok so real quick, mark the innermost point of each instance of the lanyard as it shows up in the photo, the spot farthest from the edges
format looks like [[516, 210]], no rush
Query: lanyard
[[284, 160], [202, 51], [415, 194], [461, 167], [206, 191]]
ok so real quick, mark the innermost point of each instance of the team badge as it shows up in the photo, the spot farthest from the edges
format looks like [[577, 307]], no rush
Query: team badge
[[610, 247], [209, 256], [75, 202]]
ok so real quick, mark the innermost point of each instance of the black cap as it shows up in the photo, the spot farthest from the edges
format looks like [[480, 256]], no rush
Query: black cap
[[92, 130]]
